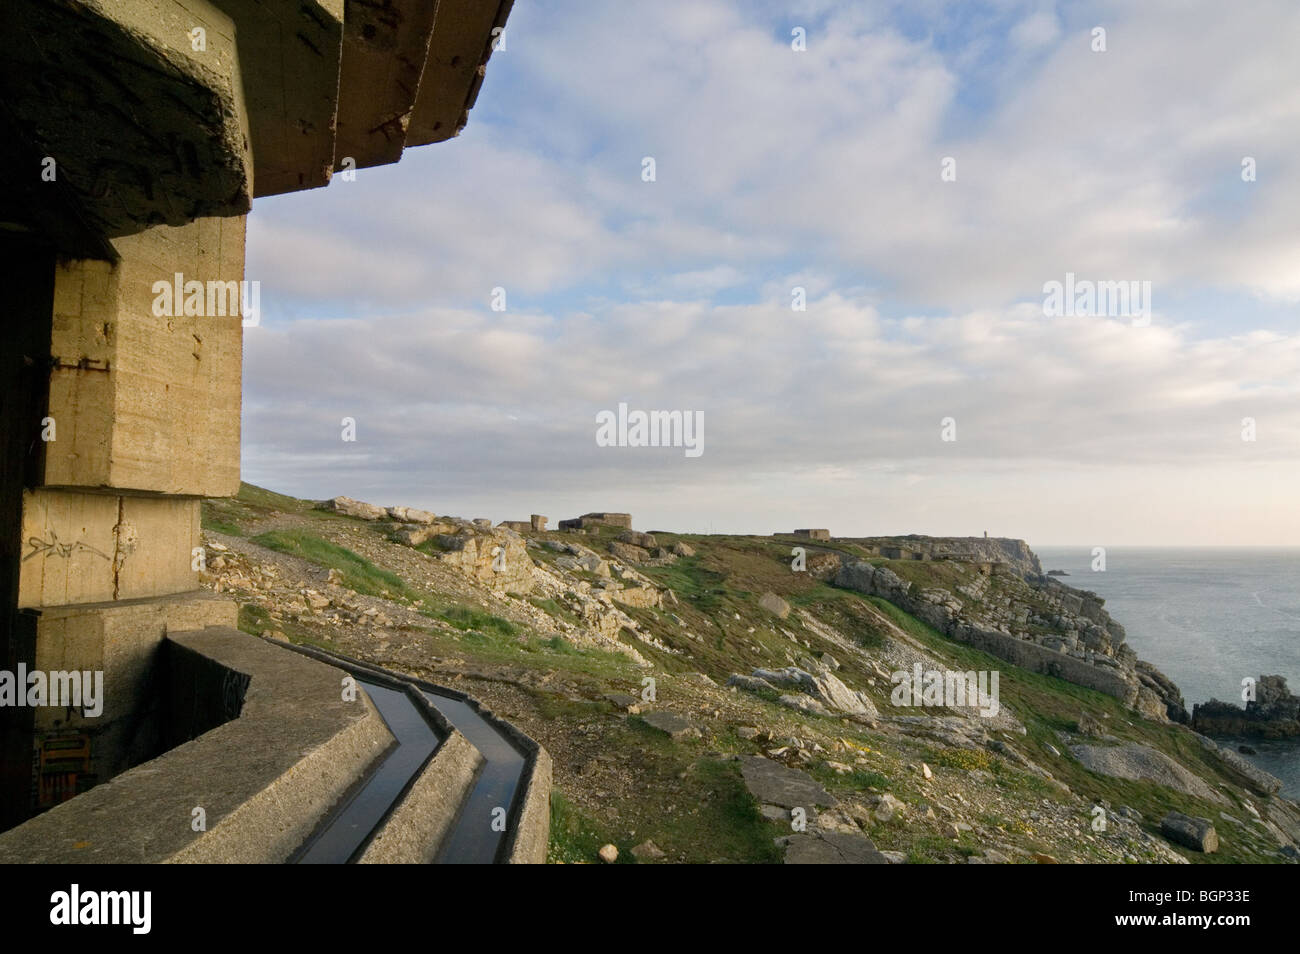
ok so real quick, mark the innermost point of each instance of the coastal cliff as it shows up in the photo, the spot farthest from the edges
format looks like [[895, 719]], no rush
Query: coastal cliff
[[698, 693], [991, 593]]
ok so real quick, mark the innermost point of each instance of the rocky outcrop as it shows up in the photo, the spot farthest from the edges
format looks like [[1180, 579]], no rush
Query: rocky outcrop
[[1274, 713], [824, 688], [1163, 688], [1137, 762], [1012, 554], [496, 558], [1246, 772], [353, 508], [411, 515], [629, 552], [1052, 629]]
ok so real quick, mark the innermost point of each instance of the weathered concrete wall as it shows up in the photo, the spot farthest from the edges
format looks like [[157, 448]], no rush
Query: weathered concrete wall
[[263, 780], [290, 55], [144, 127], [384, 50], [532, 825], [94, 548], [201, 693], [123, 641], [144, 402], [454, 68], [159, 120]]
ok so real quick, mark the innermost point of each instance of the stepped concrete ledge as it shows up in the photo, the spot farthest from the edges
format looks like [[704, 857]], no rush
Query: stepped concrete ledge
[[263, 779], [421, 821]]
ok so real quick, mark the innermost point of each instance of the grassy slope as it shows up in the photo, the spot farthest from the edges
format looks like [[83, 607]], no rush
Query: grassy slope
[[713, 817]]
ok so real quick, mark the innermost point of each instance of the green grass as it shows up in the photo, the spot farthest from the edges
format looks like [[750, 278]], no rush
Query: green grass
[[255, 496], [219, 519], [254, 619], [576, 837], [468, 618], [1045, 705], [358, 573]]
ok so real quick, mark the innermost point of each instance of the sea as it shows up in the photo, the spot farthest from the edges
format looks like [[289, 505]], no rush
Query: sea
[[1207, 617]]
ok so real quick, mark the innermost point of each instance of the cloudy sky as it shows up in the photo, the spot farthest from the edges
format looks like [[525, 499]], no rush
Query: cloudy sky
[[821, 169]]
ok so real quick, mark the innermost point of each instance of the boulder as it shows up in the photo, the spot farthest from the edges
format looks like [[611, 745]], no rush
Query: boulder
[[592, 564], [888, 808], [774, 604], [638, 597], [647, 851], [644, 540], [1088, 724], [825, 687], [1190, 832], [628, 552], [682, 550], [353, 508], [751, 683], [671, 724], [775, 784], [410, 515], [805, 704], [1140, 763]]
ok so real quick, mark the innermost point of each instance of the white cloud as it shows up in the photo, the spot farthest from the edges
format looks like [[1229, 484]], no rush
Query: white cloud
[[818, 169]]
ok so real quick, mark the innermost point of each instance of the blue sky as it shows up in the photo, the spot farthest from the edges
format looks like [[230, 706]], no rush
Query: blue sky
[[820, 168]]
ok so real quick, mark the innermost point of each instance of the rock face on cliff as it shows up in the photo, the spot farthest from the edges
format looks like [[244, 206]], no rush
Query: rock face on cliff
[[1028, 619], [1274, 713], [1008, 552]]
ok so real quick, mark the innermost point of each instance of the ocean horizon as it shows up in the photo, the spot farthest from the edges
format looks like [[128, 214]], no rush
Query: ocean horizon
[[1207, 617]]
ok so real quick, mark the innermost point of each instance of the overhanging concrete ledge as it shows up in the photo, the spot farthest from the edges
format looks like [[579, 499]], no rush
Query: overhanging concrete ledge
[[263, 779]]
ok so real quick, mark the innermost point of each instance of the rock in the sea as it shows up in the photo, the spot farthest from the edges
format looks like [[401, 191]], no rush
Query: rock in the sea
[[1274, 713], [1190, 832]]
